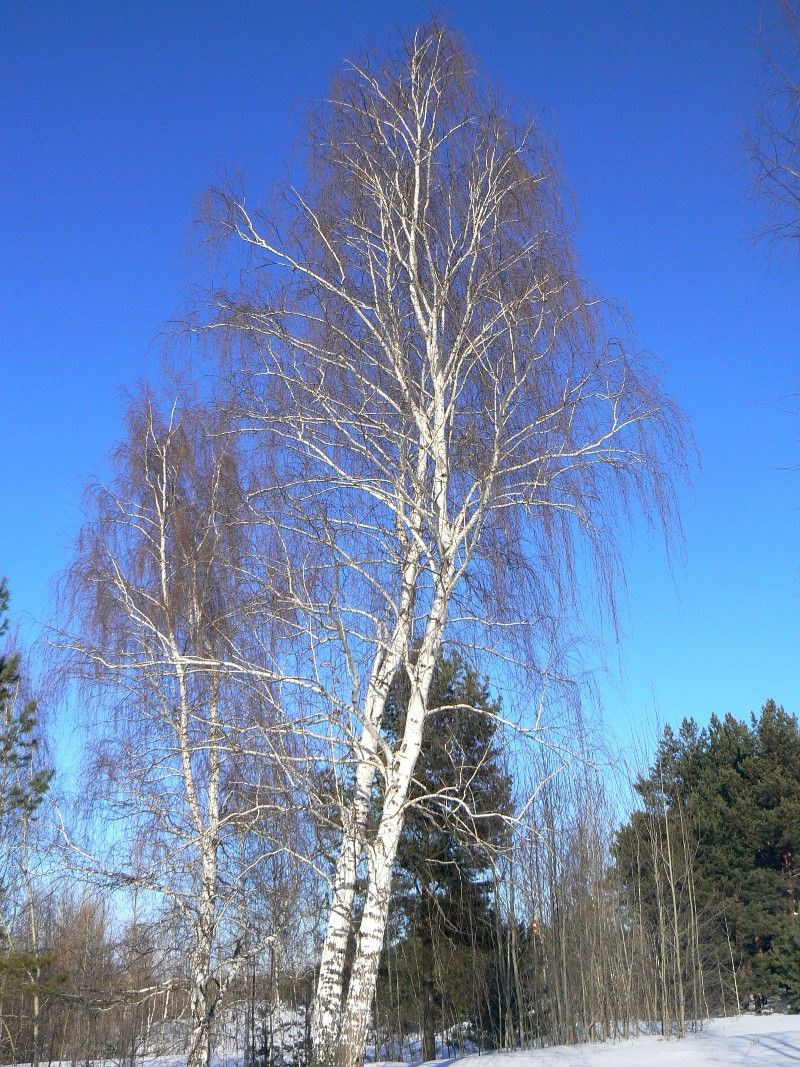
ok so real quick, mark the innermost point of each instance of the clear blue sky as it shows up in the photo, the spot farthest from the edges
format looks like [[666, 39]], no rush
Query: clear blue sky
[[116, 116]]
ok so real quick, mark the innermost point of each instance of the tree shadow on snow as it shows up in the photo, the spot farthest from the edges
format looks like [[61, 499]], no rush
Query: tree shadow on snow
[[786, 1049]]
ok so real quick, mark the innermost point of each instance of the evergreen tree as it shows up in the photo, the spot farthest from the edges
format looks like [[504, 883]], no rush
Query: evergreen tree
[[22, 786], [441, 917], [738, 787]]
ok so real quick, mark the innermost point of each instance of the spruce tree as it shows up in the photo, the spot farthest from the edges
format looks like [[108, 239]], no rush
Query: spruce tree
[[441, 916]]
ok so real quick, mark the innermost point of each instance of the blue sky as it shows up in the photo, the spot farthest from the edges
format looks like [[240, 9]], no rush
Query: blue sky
[[116, 117]]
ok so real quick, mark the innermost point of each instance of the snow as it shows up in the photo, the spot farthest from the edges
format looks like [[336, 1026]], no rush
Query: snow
[[744, 1041]]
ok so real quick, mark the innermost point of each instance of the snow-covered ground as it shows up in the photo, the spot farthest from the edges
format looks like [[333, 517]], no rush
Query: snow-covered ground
[[746, 1041]]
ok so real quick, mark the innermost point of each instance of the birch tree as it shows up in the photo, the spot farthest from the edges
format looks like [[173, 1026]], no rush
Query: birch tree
[[774, 142], [164, 607], [449, 427]]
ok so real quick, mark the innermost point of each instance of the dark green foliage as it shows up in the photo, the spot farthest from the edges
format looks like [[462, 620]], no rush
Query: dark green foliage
[[27, 972], [460, 791], [441, 922], [738, 788], [22, 787]]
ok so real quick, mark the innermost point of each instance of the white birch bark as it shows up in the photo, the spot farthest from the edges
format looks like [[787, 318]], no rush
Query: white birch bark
[[160, 624], [328, 1002], [444, 417], [382, 852]]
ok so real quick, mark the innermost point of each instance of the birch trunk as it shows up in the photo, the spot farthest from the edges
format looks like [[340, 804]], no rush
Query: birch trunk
[[328, 1001], [382, 852], [203, 999], [329, 997]]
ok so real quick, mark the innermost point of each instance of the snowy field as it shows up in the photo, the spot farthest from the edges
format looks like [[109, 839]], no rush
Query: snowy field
[[772, 1040], [746, 1041]]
